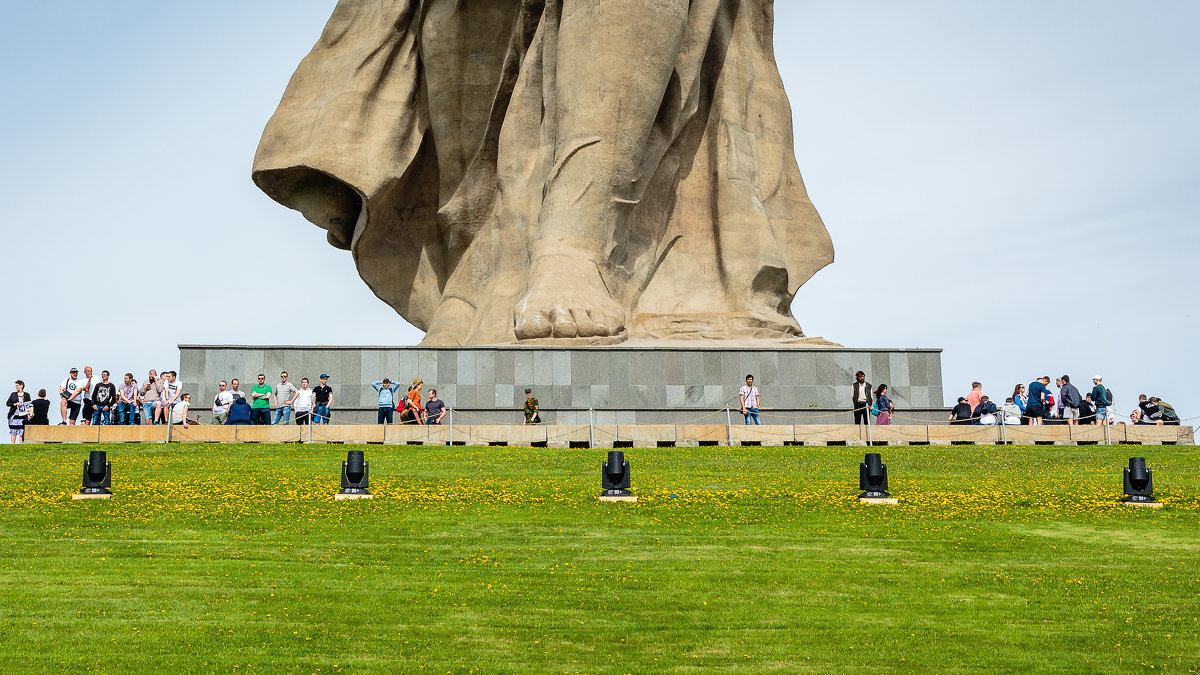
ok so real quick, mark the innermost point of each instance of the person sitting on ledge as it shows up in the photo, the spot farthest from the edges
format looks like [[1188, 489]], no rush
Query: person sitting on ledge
[[239, 412], [410, 408], [1136, 417], [1012, 413], [985, 413], [1169, 416], [1149, 412], [961, 414], [1087, 410], [179, 411]]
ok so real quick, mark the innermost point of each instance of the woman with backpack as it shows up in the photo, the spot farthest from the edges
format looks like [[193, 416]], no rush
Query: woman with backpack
[[883, 406], [410, 406]]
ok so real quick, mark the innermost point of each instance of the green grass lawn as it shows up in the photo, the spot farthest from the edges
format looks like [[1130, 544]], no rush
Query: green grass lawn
[[237, 558]]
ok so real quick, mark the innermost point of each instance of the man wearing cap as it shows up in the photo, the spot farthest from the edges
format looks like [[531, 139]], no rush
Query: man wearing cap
[[70, 391], [1100, 398], [530, 410], [322, 400], [961, 414]]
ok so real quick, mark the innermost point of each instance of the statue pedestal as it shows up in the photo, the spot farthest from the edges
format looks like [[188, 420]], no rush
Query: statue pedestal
[[688, 383]]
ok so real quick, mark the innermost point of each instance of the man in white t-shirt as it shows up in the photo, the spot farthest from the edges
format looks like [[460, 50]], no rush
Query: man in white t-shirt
[[220, 409], [171, 391], [236, 391], [71, 393], [86, 383], [302, 403], [748, 395], [179, 413]]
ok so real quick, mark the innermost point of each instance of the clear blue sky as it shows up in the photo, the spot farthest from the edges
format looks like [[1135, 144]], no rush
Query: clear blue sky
[[1013, 182]]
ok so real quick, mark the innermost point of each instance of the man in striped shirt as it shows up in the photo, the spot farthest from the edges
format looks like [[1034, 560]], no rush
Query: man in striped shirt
[[748, 395]]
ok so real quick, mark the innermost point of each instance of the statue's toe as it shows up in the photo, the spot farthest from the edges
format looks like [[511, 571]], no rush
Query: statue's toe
[[532, 325], [608, 321], [563, 323], [584, 326], [565, 302]]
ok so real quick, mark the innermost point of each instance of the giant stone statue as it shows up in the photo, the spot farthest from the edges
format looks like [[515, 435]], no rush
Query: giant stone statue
[[562, 171]]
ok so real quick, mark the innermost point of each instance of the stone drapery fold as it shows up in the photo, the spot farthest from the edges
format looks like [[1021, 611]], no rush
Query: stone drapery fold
[[719, 231]]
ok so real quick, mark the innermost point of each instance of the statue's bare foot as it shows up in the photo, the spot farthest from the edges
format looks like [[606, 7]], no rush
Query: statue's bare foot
[[567, 299]]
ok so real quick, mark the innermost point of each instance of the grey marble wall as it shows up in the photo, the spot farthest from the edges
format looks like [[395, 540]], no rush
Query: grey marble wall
[[632, 385]]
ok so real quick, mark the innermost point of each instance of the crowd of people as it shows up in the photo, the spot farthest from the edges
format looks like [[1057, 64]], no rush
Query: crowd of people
[[1037, 404], [89, 399], [159, 399], [1034, 404]]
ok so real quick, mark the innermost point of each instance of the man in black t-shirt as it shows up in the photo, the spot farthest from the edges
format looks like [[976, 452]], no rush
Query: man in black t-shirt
[[41, 410], [104, 399], [322, 400], [435, 408], [961, 414], [1150, 412]]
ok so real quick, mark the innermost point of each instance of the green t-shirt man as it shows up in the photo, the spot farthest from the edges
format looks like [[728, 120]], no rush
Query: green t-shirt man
[[265, 401]]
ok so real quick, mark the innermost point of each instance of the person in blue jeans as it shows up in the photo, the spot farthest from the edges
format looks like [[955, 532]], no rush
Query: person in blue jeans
[[285, 396], [387, 399], [1100, 398], [127, 400], [748, 395]]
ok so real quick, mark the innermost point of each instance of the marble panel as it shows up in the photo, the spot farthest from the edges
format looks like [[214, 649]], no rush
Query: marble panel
[[485, 368], [600, 396], [427, 365], [543, 368], [560, 364], [899, 370], [466, 367]]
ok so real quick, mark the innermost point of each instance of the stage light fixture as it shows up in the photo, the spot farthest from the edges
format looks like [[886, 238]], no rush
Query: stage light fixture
[[356, 477], [614, 478], [97, 474], [1139, 482], [872, 477]]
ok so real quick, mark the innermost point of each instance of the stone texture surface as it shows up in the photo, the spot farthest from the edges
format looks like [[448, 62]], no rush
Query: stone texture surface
[[622, 384], [604, 436], [529, 170]]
